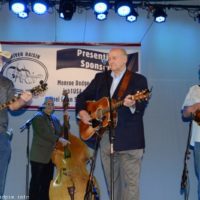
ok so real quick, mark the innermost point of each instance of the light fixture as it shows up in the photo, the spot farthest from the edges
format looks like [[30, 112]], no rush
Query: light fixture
[[159, 15], [17, 6], [101, 16], [100, 6], [24, 14], [67, 9], [39, 6], [123, 7], [132, 17]]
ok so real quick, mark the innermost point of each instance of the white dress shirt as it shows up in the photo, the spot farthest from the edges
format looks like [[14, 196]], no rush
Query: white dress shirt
[[115, 83]]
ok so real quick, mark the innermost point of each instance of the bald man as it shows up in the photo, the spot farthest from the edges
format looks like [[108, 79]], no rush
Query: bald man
[[129, 142]]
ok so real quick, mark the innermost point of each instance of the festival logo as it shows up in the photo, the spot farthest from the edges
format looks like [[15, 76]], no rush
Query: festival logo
[[25, 70]]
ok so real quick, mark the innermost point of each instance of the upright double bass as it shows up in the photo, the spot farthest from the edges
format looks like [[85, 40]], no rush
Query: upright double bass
[[71, 177]]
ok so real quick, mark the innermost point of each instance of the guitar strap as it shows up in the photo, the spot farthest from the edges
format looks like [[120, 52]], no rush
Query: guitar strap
[[124, 84]]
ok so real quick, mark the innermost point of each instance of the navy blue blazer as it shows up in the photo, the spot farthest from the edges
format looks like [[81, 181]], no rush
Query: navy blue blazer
[[129, 132]]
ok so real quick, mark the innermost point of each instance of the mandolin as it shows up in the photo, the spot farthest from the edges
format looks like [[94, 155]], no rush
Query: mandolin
[[99, 112], [35, 92]]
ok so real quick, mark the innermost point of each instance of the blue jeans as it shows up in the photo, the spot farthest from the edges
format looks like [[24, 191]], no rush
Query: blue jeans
[[5, 153]]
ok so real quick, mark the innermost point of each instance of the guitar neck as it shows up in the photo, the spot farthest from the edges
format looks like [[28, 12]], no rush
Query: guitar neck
[[35, 91], [144, 95], [114, 107], [6, 105]]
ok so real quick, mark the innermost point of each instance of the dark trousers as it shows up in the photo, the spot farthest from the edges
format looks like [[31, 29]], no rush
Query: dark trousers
[[42, 174]]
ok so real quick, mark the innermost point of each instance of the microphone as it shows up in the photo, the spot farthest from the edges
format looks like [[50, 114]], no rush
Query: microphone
[[27, 123], [104, 61]]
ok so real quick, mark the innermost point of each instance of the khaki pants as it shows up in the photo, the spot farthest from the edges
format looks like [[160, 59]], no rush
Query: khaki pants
[[127, 166]]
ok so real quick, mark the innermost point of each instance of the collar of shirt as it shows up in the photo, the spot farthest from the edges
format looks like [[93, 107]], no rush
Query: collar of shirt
[[115, 82]]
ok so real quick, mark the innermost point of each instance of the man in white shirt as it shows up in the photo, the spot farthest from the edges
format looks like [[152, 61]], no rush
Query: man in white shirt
[[190, 109]]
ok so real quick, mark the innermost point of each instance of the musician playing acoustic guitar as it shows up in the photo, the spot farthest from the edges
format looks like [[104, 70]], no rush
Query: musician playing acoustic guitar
[[7, 93], [129, 141]]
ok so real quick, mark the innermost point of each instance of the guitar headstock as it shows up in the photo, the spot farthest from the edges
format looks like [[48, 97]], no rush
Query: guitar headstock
[[143, 95], [39, 89]]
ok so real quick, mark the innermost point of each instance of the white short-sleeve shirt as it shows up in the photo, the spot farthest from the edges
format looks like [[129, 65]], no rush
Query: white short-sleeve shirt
[[192, 97]]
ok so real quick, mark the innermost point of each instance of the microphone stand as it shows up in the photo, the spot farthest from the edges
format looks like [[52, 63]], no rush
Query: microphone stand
[[90, 189], [185, 178], [26, 125], [111, 137]]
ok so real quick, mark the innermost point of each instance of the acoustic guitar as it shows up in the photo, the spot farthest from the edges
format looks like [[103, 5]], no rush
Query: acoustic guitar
[[35, 91], [100, 113]]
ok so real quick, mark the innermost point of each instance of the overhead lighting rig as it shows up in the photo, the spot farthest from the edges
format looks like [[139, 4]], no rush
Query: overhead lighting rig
[[128, 9]]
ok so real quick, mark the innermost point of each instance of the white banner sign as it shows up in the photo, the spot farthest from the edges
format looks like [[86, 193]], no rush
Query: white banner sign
[[62, 67]]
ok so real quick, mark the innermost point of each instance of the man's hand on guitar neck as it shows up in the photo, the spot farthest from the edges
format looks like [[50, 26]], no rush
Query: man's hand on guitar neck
[[24, 98], [129, 101], [85, 117]]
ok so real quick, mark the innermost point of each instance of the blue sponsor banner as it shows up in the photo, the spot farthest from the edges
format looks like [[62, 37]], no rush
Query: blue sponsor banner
[[90, 59]]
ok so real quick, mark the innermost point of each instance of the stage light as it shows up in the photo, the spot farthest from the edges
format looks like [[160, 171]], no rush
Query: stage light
[[39, 6], [132, 17], [159, 15], [17, 6], [67, 9], [100, 6], [24, 14], [123, 8], [101, 16]]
